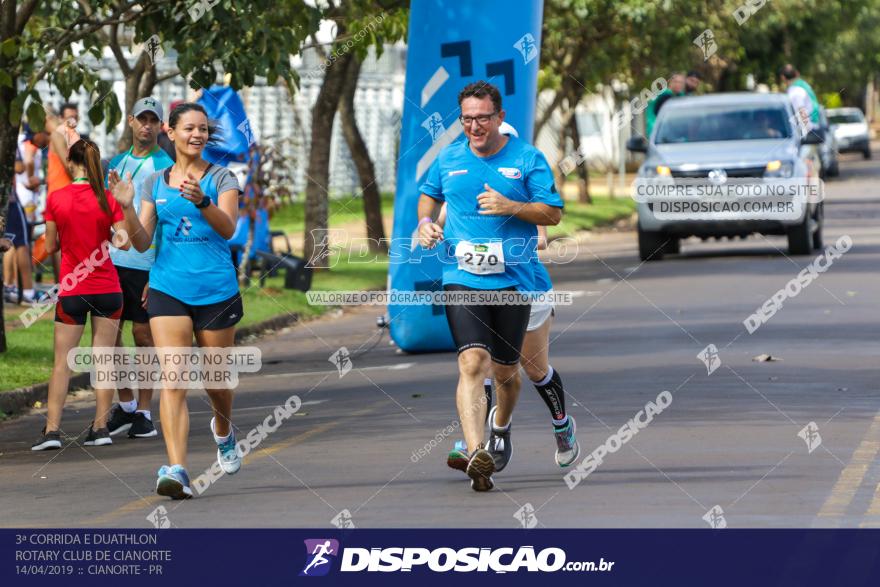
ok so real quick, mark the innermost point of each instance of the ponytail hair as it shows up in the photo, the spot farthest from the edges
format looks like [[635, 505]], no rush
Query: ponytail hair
[[85, 152]]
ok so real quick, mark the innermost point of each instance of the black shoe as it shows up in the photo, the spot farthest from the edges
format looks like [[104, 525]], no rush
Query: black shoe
[[499, 443], [47, 440], [141, 427], [119, 421], [98, 437]]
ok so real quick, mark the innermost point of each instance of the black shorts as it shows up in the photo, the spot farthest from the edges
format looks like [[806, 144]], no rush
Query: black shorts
[[496, 328], [133, 282], [76, 309], [216, 316], [16, 223]]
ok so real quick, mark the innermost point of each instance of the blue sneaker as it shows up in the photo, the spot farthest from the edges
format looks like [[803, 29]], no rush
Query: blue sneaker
[[567, 447], [228, 455], [173, 482]]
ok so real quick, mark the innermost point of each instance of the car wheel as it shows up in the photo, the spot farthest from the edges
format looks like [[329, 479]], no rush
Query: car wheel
[[672, 246], [799, 238], [820, 220], [651, 244], [867, 153]]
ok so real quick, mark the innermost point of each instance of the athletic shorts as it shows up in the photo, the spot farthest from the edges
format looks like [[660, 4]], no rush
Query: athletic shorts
[[216, 316], [17, 225], [496, 328], [76, 309], [133, 282], [539, 314]]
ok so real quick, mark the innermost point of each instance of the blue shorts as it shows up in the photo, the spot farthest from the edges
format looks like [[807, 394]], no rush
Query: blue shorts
[[16, 224]]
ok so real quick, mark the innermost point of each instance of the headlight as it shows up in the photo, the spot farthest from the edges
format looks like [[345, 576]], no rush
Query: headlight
[[657, 171], [779, 169]]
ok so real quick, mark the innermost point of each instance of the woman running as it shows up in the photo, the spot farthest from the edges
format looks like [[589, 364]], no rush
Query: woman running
[[80, 216], [193, 286]]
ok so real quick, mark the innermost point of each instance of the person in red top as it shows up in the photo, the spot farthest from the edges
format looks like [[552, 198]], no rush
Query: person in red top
[[80, 217]]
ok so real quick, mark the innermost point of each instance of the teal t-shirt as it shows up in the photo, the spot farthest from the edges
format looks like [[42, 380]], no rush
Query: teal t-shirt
[[139, 168]]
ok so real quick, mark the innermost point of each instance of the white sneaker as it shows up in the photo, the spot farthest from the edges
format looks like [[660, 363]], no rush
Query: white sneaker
[[228, 455]]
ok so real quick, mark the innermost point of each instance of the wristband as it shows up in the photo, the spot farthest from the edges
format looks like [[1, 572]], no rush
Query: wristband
[[425, 219], [206, 201]]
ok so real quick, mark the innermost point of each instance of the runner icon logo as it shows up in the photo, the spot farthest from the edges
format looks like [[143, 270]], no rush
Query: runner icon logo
[[710, 358], [527, 47], [183, 226], [317, 552]]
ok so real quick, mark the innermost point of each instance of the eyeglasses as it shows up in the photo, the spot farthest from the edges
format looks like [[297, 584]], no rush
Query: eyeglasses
[[480, 118]]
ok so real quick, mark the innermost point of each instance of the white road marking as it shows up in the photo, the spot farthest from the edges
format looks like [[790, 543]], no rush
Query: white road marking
[[397, 367]]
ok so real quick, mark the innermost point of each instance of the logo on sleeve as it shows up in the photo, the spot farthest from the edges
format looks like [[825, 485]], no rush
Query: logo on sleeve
[[457, 172], [510, 172]]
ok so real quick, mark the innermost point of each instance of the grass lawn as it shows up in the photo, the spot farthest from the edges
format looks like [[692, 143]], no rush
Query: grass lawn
[[602, 211], [291, 218], [29, 357]]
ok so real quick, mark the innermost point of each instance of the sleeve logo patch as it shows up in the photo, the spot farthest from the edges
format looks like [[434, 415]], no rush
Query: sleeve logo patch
[[457, 172]]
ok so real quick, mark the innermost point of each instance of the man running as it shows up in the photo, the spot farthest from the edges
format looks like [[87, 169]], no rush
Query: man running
[[141, 160], [496, 188], [535, 362]]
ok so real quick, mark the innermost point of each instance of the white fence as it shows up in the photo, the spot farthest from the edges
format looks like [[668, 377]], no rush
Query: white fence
[[273, 115]]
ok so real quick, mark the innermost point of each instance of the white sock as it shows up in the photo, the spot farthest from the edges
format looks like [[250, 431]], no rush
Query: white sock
[[129, 407], [28, 293], [147, 413], [497, 427], [487, 381], [220, 439], [560, 423]]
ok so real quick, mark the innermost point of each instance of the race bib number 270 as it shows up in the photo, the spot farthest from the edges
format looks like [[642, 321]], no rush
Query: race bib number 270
[[480, 259]]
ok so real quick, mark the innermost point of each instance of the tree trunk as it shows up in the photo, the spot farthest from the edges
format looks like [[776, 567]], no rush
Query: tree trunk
[[547, 114], [581, 170], [8, 146], [361, 157], [137, 86], [8, 139], [315, 242]]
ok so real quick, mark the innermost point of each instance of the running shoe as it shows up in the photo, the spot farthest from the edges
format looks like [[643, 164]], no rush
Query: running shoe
[[567, 447], [228, 455], [499, 442], [47, 440], [173, 482], [10, 294], [458, 456], [119, 421], [480, 468], [99, 437], [141, 426]]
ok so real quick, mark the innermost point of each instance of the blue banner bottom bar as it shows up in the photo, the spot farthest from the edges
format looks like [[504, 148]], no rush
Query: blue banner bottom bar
[[217, 557]]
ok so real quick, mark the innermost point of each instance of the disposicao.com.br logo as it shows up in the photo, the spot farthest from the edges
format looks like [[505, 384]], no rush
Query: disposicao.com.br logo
[[444, 559]]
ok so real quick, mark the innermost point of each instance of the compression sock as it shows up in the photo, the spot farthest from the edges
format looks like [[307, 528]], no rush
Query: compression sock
[[129, 407], [551, 391], [487, 387]]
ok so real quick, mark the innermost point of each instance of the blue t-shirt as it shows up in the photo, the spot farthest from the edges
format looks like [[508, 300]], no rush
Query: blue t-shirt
[[140, 168], [193, 263], [542, 278], [520, 173]]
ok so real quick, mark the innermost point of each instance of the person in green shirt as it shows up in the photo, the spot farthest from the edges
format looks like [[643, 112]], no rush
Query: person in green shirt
[[674, 88], [802, 95]]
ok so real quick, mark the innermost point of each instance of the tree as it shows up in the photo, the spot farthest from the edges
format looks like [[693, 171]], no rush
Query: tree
[[358, 28], [362, 161]]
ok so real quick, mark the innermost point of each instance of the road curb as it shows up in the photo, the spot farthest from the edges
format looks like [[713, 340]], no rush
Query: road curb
[[19, 400]]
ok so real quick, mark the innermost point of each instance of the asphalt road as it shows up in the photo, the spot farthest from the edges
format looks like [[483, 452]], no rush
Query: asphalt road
[[728, 439]]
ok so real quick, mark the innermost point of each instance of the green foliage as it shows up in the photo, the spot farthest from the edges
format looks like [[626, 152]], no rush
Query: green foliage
[[635, 41]]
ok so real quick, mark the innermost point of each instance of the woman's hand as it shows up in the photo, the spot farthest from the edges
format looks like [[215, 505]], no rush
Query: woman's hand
[[191, 190]]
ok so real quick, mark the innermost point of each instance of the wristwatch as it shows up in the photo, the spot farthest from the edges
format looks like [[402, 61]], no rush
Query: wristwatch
[[206, 201]]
